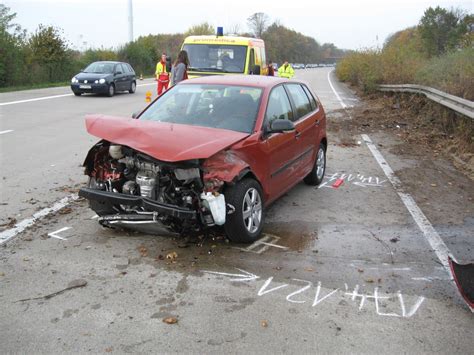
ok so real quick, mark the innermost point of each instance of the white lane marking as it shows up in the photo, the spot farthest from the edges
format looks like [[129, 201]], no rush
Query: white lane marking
[[434, 239], [21, 226], [334, 90], [55, 233], [36, 99], [49, 97], [7, 131]]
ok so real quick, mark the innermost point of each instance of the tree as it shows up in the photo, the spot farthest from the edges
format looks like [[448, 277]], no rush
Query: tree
[[442, 30], [201, 29], [258, 23]]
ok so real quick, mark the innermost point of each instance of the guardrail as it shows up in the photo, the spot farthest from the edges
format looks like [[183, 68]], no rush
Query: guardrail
[[455, 103]]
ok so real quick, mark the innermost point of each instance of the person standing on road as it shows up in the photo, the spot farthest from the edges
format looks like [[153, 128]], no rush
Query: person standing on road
[[271, 70], [286, 71], [162, 76], [180, 68]]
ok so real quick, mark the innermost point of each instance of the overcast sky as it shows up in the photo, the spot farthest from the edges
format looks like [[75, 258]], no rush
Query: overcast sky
[[350, 24]]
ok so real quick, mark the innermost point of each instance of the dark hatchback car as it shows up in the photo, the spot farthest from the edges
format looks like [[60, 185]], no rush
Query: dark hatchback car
[[104, 78]]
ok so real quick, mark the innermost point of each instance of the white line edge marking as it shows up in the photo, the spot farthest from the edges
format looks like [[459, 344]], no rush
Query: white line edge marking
[[431, 235], [21, 226], [35, 99], [49, 97], [55, 233], [334, 90], [7, 131]]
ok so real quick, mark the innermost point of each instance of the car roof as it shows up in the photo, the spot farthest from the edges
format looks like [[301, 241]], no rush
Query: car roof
[[239, 80], [109, 61]]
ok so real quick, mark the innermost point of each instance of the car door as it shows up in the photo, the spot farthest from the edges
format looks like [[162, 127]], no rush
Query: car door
[[306, 130], [119, 78], [127, 76], [278, 147]]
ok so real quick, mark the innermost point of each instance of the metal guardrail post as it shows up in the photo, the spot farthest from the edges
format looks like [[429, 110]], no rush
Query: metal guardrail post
[[460, 105]]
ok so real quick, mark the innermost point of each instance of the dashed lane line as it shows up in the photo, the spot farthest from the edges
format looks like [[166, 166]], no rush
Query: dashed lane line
[[11, 233]]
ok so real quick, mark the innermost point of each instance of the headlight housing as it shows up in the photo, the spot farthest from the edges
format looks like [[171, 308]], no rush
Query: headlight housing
[[101, 81], [74, 80]]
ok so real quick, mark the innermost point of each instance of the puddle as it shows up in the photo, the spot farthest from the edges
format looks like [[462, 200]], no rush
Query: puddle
[[296, 235]]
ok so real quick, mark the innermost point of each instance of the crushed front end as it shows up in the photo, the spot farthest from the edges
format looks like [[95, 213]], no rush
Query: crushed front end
[[131, 189]]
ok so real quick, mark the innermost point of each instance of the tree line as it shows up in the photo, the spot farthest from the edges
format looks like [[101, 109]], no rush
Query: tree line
[[438, 52], [45, 56]]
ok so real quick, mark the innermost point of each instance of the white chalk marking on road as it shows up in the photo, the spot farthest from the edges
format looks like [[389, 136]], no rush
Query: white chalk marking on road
[[7, 131], [266, 242], [246, 276], [274, 245], [55, 233], [431, 235], [35, 99], [21, 226], [334, 90]]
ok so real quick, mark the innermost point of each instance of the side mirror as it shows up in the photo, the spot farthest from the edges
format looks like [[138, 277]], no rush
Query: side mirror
[[135, 114], [281, 126], [256, 70]]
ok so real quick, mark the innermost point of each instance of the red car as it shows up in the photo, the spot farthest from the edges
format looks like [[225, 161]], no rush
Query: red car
[[210, 151]]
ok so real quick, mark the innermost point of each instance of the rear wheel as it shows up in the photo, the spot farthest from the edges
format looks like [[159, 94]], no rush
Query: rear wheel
[[315, 177], [246, 223], [111, 91], [133, 87]]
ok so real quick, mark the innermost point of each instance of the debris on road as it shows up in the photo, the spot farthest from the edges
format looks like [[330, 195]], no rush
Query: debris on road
[[338, 183], [264, 323], [172, 256], [72, 285], [170, 320], [143, 251]]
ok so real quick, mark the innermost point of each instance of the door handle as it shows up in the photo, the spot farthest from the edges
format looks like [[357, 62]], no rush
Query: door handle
[[317, 123], [297, 135]]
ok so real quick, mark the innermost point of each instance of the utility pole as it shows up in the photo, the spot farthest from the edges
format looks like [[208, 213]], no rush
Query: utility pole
[[130, 21]]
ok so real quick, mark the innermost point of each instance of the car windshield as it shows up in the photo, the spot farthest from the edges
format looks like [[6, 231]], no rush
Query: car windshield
[[219, 106], [100, 68], [216, 57]]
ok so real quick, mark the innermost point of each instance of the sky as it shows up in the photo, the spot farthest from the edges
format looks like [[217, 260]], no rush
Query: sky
[[349, 24]]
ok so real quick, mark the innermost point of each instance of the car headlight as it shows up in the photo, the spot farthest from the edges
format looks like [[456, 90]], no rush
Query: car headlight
[[95, 82], [101, 81], [74, 80]]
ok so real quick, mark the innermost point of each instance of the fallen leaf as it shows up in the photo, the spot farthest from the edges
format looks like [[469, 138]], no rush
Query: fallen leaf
[[309, 269], [172, 256], [264, 323], [278, 268], [65, 210], [360, 270], [109, 350], [434, 185], [369, 280], [170, 320], [394, 240], [2, 274], [143, 251]]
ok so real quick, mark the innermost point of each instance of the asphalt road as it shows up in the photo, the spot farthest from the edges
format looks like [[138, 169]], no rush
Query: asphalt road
[[348, 269]]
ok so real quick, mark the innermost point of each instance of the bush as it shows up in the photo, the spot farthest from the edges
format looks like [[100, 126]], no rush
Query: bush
[[362, 69]]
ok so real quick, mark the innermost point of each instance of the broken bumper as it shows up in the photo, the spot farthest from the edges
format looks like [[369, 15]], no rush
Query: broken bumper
[[147, 204]]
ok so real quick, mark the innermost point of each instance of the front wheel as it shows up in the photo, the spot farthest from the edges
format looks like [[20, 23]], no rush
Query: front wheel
[[77, 93], [315, 177], [245, 224], [111, 91]]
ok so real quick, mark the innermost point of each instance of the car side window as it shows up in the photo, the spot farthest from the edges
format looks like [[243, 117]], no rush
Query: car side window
[[300, 100], [313, 102], [278, 107], [130, 70], [124, 69]]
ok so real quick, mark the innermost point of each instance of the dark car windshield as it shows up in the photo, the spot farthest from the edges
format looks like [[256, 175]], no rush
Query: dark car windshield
[[216, 57], [219, 106], [100, 68]]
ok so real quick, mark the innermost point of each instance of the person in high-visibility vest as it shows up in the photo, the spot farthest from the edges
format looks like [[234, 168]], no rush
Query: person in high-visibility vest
[[162, 76], [286, 71]]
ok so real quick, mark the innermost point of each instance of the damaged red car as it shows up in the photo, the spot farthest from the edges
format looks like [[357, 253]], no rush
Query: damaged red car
[[211, 151]]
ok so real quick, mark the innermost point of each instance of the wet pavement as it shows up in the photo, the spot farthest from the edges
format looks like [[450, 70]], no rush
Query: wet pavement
[[341, 269]]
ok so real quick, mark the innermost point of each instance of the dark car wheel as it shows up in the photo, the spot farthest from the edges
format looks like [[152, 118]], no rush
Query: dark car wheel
[[77, 93], [315, 177], [246, 223], [111, 91], [133, 87]]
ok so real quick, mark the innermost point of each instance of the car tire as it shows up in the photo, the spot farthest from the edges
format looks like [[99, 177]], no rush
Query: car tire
[[315, 177], [245, 224], [111, 90], [133, 87], [77, 93]]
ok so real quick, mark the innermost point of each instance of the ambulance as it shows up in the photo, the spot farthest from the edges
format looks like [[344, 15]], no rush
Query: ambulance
[[221, 55]]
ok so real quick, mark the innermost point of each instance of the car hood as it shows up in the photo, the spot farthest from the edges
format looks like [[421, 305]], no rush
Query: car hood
[[91, 76], [164, 141]]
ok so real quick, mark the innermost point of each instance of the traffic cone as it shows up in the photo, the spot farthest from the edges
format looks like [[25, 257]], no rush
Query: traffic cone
[[148, 96], [141, 76]]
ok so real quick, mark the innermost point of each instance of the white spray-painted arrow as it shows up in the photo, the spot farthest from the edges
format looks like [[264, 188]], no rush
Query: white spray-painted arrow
[[246, 276], [55, 233]]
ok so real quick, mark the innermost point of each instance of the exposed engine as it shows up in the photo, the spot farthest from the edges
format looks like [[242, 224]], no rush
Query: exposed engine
[[169, 190]]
